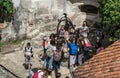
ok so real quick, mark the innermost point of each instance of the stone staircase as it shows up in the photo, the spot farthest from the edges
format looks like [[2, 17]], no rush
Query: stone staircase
[[41, 29]]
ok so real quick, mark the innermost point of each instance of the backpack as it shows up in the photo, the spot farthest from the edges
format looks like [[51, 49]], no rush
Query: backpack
[[36, 74], [65, 50], [73, 49], [57, 56], [65, 47], [43, 43], [86, 43], [49, 52]]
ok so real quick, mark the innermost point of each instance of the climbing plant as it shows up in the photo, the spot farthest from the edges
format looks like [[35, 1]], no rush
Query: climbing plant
[[6, 9], [110, 13]]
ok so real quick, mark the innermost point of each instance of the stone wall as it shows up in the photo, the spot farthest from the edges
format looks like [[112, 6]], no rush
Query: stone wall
[[8, 33], [30, 15], [91, 2], [79, 17]]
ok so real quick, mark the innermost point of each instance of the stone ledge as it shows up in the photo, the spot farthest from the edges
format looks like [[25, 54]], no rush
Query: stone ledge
[[5, 73], [11, 51]]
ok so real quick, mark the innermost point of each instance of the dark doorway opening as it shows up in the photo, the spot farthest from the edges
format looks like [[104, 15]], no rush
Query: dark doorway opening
[[89, 9]]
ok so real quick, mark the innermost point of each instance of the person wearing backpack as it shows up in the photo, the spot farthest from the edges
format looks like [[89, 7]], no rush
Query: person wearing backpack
[[57, 59], [44, 44], [99, 35], [28, 53], [51, 47], [80, 52], [87, 47], [73, 49], [40, 73]]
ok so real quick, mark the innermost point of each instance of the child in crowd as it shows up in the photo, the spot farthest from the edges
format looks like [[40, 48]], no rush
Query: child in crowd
[[28, 53]]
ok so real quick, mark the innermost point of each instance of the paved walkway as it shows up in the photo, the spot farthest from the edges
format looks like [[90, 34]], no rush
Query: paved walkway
[[14, 62]]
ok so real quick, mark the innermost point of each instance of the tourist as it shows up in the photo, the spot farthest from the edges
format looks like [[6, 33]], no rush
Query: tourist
[[87, 47], [57, 59], [100, 34], [73, 49], [48, 50], [28, 53], [85, 29], [99, 46], [41, 73], [80, 51], [44, 44], [71, 31], [51, 47], [61, 32]]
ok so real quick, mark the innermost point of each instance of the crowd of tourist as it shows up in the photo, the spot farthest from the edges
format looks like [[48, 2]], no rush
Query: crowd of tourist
[[73, 45]]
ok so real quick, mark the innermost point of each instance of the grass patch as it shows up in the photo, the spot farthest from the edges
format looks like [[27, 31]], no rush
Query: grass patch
[[17, 42], [1, 44]]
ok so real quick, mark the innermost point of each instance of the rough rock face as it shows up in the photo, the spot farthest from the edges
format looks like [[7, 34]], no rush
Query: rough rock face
[[8, 33], [31, 15], [92, 2]]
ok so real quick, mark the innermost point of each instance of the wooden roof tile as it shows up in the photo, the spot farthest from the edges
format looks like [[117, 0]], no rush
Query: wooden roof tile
[[105, 64]]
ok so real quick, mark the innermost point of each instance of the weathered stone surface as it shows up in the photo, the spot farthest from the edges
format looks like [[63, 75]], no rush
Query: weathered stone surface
[[31, 16], [5, 74], [8, 33], [71, 8], [91, 2], [16, 3], [15, 62]]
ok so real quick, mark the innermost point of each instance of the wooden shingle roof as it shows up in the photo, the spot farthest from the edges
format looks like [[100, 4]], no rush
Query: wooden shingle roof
[[105, 64]]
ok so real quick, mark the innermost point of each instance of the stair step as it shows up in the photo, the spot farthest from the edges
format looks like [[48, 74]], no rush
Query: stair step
[[32, 34]]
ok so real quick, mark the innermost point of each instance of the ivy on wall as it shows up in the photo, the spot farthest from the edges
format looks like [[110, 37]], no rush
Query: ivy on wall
[[6, 10]]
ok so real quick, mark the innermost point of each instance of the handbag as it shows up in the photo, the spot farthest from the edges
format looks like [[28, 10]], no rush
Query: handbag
[[66, 54], [65, 50], [49, 53]]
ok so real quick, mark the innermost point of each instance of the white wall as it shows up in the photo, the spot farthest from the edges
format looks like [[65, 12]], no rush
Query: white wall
[[16, 3]]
